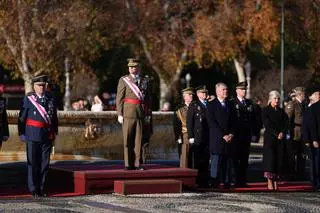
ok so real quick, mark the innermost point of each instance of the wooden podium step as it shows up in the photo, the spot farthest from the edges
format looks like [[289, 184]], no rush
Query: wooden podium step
[[151, 186]]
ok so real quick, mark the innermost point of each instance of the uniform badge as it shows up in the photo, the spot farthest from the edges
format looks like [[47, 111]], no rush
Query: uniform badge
[[249, 108], [34, 112], [237, 106], [199, 108]]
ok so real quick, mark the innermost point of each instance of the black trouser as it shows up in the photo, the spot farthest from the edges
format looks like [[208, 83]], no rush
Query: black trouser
[[299, 161], [315, 167], [38, 159], [241, 162], [199, 159]]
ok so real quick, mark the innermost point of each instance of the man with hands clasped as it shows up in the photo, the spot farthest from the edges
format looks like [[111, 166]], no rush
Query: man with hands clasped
[[198, 135], [221, 124]]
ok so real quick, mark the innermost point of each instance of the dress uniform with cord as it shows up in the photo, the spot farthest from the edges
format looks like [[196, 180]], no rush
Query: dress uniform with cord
[[38, 126], [134, 112]]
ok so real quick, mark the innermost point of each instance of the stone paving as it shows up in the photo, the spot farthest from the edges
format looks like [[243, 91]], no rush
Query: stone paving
[[165, 203]]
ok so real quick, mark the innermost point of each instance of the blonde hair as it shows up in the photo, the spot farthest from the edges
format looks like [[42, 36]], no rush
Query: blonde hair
[[273, 94]]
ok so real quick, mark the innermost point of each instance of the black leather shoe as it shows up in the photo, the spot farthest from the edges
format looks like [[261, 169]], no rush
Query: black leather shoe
[[35, 195], [140, 168], [129, 168], [42, 194]]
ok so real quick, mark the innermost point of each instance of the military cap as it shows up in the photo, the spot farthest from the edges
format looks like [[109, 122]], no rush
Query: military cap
[[292, 93], [40, 79], [188, 90], [133, 62], [241, 85], [202, 88]]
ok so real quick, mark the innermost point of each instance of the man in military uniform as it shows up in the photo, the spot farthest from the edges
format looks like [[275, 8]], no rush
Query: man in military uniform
[[246, 130], [38, 126], [295, 110], [198, 134], [134, 112], [180, 127], [4, 129]]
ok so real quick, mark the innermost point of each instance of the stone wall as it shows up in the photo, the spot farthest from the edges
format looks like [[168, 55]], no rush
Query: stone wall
[[108, 144]]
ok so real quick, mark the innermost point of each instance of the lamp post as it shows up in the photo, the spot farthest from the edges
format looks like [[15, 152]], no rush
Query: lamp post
[[188, 79], [282, 53], [67, 102]]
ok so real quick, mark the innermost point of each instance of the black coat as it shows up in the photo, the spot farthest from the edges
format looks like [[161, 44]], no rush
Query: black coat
[[315, 122], [245, 121], [4, 129], [307, 125], [197, 124], [274, 150], [220, 123]]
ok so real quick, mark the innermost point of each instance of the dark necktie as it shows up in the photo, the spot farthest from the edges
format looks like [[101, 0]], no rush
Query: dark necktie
[[243, 102]]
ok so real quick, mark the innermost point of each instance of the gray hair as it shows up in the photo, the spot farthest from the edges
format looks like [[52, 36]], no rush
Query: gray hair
[[220, 84], [273, 94]]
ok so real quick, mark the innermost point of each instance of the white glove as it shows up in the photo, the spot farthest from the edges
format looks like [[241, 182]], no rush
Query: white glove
[[179, 141], [22, 138], [191, 140], [120, 119], [5, 138]]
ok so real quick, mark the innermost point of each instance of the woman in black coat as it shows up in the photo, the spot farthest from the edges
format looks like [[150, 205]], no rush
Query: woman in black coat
[[275, 122]]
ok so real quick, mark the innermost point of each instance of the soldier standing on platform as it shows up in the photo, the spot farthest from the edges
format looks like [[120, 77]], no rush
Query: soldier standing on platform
[[198, 134], [246, 130], [38, 126], [180, 128], [295, 110], [4, 129], [134, 112]]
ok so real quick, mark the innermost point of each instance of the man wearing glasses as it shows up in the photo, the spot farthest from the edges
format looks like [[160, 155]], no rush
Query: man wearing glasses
[[38, 127]]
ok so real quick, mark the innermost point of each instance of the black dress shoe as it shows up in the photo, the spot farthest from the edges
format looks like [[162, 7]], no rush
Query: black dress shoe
[[129, 168], [140, 168], [42, 194], [35, 194]]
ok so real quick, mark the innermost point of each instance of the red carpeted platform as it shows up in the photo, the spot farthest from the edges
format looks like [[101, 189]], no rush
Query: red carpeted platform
[[96, 179], [262, 187]]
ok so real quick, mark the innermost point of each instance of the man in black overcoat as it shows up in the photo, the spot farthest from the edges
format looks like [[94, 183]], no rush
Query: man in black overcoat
[[221, 124], [198, 135]]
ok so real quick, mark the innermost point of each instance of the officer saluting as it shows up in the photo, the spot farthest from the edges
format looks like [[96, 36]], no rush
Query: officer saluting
[[134, 112], [38, 126], [4, 130], [246, 130], [180, 128]]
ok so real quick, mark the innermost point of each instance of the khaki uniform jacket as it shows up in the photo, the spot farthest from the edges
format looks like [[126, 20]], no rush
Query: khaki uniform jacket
[[295, 110], [130, 110], [180, 124]]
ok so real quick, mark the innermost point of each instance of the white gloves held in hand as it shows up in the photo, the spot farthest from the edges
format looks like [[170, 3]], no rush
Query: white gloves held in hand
[[191, 140], [120, 119], [179, 141]]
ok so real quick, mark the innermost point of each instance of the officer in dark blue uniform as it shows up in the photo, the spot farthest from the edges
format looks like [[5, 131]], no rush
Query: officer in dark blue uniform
[[4, 130], [246, 130], [198, 134], [38, 126]]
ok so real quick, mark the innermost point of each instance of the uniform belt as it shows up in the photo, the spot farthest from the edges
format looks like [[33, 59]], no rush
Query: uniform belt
[[132, 101], [297, 124], [35, 123]]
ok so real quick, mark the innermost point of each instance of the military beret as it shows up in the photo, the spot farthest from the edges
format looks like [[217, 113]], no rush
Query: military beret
[[188, 90], [241, 85], [133, 62], [202, 88], [40, 79]]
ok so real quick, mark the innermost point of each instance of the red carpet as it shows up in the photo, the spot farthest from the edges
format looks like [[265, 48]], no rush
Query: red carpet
[[262, 187]]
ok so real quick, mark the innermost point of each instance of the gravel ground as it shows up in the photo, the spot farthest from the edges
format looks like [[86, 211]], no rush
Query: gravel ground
[[165, 203]]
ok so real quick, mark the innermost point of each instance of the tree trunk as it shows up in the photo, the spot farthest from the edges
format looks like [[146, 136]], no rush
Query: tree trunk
[[240, 70], [67, 94], [164, 92], [248, 78], [27, 82]]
